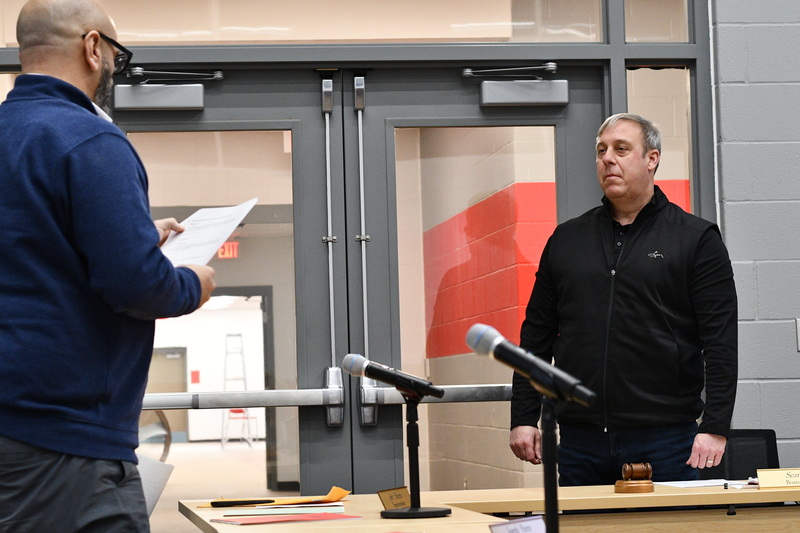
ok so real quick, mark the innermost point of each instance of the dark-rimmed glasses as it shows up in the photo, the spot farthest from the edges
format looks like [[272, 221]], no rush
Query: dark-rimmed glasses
[[122, 59]]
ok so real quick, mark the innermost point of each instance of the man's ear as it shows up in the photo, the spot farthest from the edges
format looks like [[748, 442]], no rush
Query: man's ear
[[653, 157], [91, 51]]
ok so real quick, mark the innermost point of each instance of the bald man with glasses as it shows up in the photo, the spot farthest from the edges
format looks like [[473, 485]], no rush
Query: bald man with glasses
[[82, 281]]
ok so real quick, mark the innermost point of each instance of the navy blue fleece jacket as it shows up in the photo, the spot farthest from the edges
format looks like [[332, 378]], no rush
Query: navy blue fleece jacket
[[82, 279]]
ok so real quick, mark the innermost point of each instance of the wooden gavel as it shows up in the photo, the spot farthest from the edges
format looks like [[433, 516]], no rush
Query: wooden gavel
[[635, 478], [632, 471]]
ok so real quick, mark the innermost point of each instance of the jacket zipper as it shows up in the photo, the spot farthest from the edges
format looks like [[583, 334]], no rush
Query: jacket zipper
[[608, 330], [605, 350]]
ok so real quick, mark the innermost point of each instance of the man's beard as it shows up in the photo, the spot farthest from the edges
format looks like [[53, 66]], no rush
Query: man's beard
[[102, 95]]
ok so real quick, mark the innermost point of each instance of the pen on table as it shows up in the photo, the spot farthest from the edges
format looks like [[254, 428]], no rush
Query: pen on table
[[232, 503]]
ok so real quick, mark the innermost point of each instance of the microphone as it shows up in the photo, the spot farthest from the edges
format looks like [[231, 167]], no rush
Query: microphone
[[356, 365], [546, 378]]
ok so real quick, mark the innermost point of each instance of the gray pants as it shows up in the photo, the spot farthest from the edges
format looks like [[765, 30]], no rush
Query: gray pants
[[44, 491]]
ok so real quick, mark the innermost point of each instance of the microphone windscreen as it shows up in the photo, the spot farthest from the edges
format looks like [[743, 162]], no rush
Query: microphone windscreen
[[482, 338], [354, 364]]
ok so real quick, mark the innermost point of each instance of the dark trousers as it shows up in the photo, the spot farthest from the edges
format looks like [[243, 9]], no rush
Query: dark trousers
[[44, 491], [591, 456]]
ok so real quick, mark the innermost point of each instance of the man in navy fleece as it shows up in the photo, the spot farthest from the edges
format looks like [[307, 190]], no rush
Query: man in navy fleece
[[82, 280]]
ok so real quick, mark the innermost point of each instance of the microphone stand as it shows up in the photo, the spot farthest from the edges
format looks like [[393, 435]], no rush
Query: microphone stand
[[553, 390], [412, 438], [550, 461], [555, 386]]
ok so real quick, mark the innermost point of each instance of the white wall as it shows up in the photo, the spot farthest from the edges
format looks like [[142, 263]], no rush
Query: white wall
[[203, 334]]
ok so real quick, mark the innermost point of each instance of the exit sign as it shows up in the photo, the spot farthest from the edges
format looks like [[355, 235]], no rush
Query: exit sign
[[229, 250]]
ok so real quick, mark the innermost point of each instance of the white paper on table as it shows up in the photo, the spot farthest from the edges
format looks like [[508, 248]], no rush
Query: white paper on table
[[206, 231], [693, 483], [529, 524]]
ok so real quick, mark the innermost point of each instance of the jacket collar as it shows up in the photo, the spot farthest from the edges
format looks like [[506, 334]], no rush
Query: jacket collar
[[41, 85], [656, 203]]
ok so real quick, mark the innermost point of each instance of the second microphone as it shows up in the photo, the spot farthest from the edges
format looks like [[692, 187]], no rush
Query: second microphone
[[357, 365]]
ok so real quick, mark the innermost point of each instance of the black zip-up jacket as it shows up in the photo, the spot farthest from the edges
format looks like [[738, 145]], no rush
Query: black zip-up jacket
[[647, 334]]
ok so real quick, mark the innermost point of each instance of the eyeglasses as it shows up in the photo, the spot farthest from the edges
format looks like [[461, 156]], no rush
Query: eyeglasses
[[122, 59]]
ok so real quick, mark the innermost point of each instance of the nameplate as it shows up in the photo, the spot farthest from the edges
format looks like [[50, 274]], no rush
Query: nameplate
[[779, 477], [398, 498], [530, 524]]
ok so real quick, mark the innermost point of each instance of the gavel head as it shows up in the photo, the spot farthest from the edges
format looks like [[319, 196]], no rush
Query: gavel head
[[632, 471]]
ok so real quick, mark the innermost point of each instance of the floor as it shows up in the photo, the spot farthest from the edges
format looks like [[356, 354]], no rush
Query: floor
[[207, 470]]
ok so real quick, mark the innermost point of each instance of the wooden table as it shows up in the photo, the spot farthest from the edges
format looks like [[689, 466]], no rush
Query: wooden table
[[471, 511], [604, 497], [367, 506]]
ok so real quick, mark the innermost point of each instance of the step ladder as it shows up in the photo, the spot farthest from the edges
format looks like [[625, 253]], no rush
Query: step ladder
[[235, 379]]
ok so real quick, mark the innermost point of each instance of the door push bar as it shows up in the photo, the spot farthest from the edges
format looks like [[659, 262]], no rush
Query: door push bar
[[331, 396], [372, 396]]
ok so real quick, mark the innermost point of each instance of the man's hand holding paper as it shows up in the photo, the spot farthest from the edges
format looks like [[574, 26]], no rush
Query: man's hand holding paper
[[193, 242], [203, 233]]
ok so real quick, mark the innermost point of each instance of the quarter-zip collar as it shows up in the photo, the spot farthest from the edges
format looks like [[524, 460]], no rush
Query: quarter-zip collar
[[656, 203]]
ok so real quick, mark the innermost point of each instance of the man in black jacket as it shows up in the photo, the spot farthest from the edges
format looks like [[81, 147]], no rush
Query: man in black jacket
[[636, 299]]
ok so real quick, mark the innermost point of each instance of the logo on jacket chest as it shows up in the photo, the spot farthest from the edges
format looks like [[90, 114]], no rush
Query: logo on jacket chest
[[655, 255]]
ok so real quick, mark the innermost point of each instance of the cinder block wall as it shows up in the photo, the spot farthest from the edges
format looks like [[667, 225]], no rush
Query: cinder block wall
[[757, 89]]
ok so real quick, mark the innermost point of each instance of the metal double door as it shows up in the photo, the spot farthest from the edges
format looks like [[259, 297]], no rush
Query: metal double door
[[345, 127]]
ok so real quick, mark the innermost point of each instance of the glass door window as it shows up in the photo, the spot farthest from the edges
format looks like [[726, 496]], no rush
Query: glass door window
[[475, 207], [230, 345], [473, 193], [663, 95]]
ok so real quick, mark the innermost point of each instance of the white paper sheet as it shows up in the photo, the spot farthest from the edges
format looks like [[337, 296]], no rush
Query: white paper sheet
[[695, 483], [206, 230], [709, 483], [154, 476], [530, 524]]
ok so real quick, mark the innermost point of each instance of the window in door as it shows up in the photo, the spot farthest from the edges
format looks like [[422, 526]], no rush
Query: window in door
[[663, 96], [475, 208], [228, 342]]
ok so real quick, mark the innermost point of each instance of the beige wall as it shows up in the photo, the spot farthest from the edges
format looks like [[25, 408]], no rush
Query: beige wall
[[204, 21], [656, 21], [469, 442], [461, 166], [236, 165], [6, 84], [9, 10], [249, 21], [311, 20], [663, 97], [410, 267]]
